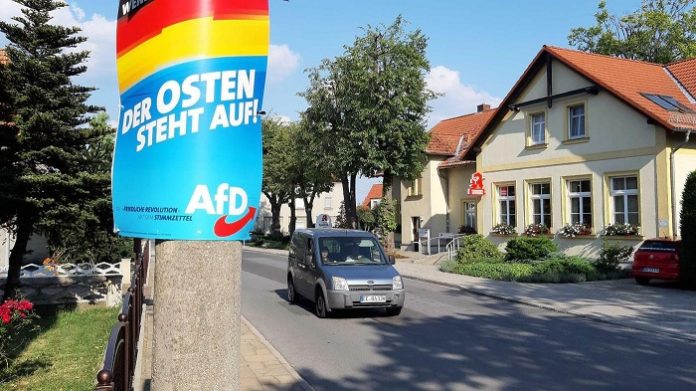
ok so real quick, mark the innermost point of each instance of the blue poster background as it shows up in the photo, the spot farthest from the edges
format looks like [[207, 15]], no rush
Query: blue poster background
[[152, 187]]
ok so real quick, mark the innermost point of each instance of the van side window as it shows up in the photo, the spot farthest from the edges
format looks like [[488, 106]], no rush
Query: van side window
[[309, 255]]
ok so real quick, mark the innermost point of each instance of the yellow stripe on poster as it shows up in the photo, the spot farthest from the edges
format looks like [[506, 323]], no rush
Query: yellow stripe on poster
[[192, 39]]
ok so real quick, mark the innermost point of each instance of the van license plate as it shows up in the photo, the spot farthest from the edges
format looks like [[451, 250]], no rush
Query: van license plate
[[373, 299], [651, 270]]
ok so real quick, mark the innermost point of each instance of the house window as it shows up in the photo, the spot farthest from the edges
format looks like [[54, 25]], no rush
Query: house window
[[541, 203], [538, 128], [576, 121], [580, 201], [415, 188], [624, 194], [374, 203], [506, 203], [327, 203]]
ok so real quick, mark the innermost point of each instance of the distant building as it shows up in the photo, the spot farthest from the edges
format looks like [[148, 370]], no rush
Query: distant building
[[373, 196], [325, 203]]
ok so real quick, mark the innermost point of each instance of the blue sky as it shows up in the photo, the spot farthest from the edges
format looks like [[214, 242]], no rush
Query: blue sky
[[477, 49]]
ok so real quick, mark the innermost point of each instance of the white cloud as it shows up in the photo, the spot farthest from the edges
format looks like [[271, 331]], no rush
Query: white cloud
[[281, 62], [101, 34], [457, 98]]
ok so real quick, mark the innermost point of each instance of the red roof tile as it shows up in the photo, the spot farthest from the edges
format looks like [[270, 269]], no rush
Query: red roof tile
[[374, 194], [3, 57], [446, 135], [627, 79], [685, 72]]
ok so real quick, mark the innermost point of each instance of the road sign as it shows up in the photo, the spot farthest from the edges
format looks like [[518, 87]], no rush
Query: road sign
[[188, 158], [324, 221]]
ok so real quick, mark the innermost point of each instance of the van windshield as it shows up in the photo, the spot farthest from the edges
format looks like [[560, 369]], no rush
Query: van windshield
[[350, 251]]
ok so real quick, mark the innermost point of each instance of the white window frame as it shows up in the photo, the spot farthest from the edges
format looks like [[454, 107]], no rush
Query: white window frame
[[543, 199], [625, 193], [534, 124], [579, 195], [507, 199], [327, 203], [470, 214], [572, 116]]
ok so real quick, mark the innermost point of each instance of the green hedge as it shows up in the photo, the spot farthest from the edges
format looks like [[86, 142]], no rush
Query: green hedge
[[557, 268], [475, 248], [529, 249]]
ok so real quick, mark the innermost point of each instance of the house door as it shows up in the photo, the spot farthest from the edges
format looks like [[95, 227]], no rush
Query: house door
[[416, 223], [469, 208]]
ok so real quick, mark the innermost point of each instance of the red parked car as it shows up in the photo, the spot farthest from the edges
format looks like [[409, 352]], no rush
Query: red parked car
[[656, 258]]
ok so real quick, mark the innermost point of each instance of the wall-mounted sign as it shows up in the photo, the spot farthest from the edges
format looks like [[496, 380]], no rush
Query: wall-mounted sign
[[324, 221], [187, 163], [476, 185]]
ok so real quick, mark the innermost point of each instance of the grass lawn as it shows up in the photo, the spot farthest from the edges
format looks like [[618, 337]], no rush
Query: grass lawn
[[65, 354]]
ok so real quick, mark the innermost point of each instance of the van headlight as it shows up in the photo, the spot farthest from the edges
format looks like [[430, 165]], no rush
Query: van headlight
[[397, 283], [339, 283]]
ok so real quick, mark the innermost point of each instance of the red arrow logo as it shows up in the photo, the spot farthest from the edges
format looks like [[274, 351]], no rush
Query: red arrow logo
[[224, 229]]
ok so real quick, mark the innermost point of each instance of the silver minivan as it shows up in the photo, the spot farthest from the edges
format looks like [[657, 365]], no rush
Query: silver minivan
[[342, 269]]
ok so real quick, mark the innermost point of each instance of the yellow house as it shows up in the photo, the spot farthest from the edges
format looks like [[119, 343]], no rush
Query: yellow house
[[436, 201], [589, 141]]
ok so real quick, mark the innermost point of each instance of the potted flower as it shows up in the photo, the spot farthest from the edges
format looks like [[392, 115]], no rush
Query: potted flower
[[503, 229], [536, 229], [621, 230], [573, 230]]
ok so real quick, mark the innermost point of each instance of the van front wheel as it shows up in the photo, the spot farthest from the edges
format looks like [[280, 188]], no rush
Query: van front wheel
[[292, 295], [320, 305]]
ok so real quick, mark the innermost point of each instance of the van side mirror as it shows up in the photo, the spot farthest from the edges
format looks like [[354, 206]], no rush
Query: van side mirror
[[392, 259]]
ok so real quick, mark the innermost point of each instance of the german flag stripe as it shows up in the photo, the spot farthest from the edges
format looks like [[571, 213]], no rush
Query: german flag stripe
[[150, 20], [193, 40]]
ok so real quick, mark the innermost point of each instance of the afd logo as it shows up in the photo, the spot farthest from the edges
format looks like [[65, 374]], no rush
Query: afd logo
[[227, 201]]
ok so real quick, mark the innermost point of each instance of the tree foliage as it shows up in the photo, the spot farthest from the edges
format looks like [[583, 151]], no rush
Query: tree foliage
[[276, 175], [367, 107], [661, 31], [366, 218], [385, 217], [688, 231], [45, 169]]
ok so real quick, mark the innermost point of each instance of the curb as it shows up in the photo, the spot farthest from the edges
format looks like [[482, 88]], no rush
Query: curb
[[300, 381], [669, 334]]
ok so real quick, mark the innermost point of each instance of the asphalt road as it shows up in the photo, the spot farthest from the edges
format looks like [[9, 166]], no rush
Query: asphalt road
[[446, 339]]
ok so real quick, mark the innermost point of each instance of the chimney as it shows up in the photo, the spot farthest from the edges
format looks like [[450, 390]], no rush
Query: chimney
[[483, 107]]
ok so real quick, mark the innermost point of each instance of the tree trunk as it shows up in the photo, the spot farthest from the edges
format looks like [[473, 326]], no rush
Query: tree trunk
[[12, 286], [274, 200], [387, 180], [345, 184], [293, 216], [353, 207], [308, 206]]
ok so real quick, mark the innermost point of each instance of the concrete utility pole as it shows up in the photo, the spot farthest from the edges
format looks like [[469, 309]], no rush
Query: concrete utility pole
[[197, 311]]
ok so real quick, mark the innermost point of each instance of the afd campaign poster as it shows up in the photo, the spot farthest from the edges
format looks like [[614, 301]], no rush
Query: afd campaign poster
[[188, 155]]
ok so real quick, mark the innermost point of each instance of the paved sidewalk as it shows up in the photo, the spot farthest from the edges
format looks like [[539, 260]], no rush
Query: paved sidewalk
[[263, 368], [659, 307]]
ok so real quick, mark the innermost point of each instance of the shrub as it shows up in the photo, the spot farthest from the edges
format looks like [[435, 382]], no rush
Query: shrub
[[475, 248], [366, 217], [15, 317], [536, 230], [504, 229], [687, 259], [497, 271], [529, 248], [611, 256], [559, 268]]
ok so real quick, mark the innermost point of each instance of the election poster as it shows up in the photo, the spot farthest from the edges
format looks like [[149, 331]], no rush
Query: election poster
[[188, 155]]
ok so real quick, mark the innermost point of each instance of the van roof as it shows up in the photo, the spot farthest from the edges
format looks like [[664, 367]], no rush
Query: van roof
[[334, 232]]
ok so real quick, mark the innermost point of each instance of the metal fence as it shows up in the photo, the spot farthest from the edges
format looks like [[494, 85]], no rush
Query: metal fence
[[121, 351]]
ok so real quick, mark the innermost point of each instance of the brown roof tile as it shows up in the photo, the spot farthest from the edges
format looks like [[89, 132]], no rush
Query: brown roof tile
[[3, 57], [445, 136]]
